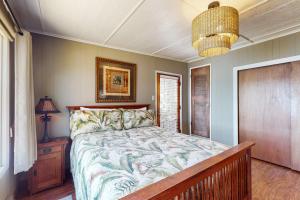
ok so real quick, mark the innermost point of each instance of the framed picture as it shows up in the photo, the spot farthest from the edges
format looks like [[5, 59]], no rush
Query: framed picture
[[115, 81]]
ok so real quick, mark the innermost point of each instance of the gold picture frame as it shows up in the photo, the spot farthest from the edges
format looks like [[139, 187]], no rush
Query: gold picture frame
[[115, 81]]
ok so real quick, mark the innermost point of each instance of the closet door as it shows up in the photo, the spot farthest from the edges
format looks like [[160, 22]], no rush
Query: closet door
[[295, 116], [200, 101], [265, 112]]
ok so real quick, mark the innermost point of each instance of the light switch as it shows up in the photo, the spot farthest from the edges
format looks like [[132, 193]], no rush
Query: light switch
[[153, 98]]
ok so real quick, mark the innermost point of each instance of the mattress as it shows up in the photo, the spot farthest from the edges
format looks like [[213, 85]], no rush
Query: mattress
[[109, 165]]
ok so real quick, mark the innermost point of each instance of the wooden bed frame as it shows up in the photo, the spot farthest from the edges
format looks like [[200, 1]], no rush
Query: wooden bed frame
[[224, 176]]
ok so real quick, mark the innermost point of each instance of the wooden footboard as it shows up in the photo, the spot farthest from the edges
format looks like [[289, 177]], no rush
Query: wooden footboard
[[224, 176]]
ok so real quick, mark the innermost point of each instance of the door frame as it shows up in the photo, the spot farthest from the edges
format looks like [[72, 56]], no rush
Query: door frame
[[190, 97], [235, 87], [180, 78]]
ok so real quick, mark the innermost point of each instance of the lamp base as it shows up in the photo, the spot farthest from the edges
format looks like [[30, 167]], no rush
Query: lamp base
[[45, 140], [46, 118]]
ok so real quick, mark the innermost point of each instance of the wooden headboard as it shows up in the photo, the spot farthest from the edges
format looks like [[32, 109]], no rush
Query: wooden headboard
[[128, 106]]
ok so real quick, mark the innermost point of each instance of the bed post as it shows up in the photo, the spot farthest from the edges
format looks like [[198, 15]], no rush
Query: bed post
[[249, 178]]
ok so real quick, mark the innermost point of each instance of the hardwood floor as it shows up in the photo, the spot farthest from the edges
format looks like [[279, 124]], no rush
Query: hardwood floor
[[272, 182], [51, 194]]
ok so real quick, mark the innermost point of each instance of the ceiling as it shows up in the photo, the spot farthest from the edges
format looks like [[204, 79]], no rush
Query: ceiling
[[159, 28]]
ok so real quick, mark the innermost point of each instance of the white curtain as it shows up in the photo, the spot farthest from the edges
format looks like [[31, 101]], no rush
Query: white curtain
[[6, 24], [25, 152]]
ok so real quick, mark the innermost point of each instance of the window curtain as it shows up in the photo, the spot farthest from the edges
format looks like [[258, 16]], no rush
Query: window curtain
[[6, 24], [25, 152]]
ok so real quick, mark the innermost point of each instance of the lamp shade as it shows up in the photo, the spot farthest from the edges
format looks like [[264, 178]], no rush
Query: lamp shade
[[46, 106]]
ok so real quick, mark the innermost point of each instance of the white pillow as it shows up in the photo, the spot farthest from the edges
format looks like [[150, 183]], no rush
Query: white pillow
[[100, 109], [95, 109], [143, 108]]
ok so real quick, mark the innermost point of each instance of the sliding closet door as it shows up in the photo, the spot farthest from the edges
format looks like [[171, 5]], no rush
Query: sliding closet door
[[295, 115], [200, 101], [265, 112]]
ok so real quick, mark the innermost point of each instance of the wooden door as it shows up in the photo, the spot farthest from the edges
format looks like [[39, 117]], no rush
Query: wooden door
[[168, 104], [265, 112], [200, 101]]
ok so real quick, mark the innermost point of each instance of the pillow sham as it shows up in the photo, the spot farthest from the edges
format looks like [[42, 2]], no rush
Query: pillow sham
[[87, 121], [138, 118], [95, 109], [84, 108]]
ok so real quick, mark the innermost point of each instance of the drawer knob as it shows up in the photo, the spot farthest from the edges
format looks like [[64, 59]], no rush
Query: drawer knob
[[47, 150]]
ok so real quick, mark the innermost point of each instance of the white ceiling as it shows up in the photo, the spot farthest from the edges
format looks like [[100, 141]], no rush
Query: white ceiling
[[160, 28]]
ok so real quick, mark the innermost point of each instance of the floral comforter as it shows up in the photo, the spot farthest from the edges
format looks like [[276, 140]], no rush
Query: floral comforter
[[109, 165]]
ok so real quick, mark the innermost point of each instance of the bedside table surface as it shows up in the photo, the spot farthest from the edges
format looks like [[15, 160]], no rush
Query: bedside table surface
[[54, 141]]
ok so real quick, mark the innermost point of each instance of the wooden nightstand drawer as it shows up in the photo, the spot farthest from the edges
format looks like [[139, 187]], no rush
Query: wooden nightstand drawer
[[47, 150]]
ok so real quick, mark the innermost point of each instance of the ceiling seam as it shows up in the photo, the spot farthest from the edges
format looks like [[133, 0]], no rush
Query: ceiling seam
[[187, 3], [172, 44], [123, 21]]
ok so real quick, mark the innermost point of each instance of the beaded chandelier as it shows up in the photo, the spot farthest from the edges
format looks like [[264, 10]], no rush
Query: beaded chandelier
[[215, 30]]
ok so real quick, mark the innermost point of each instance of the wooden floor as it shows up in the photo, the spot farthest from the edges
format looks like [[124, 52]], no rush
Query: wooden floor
[[52, 194], [270, 182]]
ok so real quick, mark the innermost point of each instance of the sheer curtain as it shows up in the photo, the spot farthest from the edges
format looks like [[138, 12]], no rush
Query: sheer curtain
[[25, 152]]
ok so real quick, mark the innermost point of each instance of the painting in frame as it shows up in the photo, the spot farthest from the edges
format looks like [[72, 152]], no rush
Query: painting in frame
[[115, 81]]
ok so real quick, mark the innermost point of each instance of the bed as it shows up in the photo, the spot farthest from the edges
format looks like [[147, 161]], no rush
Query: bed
[[151, 163]]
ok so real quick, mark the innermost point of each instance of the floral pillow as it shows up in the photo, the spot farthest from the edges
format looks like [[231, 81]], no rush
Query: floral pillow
[[138, 118], [87, 121]]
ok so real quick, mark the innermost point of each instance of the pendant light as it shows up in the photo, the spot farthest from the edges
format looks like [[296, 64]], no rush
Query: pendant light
[[215, 30]]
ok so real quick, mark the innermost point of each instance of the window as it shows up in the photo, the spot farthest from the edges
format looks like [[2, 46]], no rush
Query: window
[[4, 103]]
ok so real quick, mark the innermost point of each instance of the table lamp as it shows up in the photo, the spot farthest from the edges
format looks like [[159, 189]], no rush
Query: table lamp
[[44, 107]]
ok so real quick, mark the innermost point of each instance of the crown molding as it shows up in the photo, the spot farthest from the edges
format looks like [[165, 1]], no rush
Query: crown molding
[[240, 12], [253, 6], [102, 45], [259, 39]]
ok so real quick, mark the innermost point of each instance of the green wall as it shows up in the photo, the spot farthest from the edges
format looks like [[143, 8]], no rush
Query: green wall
[[65, 71]]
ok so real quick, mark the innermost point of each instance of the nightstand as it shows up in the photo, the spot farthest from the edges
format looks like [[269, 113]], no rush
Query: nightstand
[[49, 169]]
